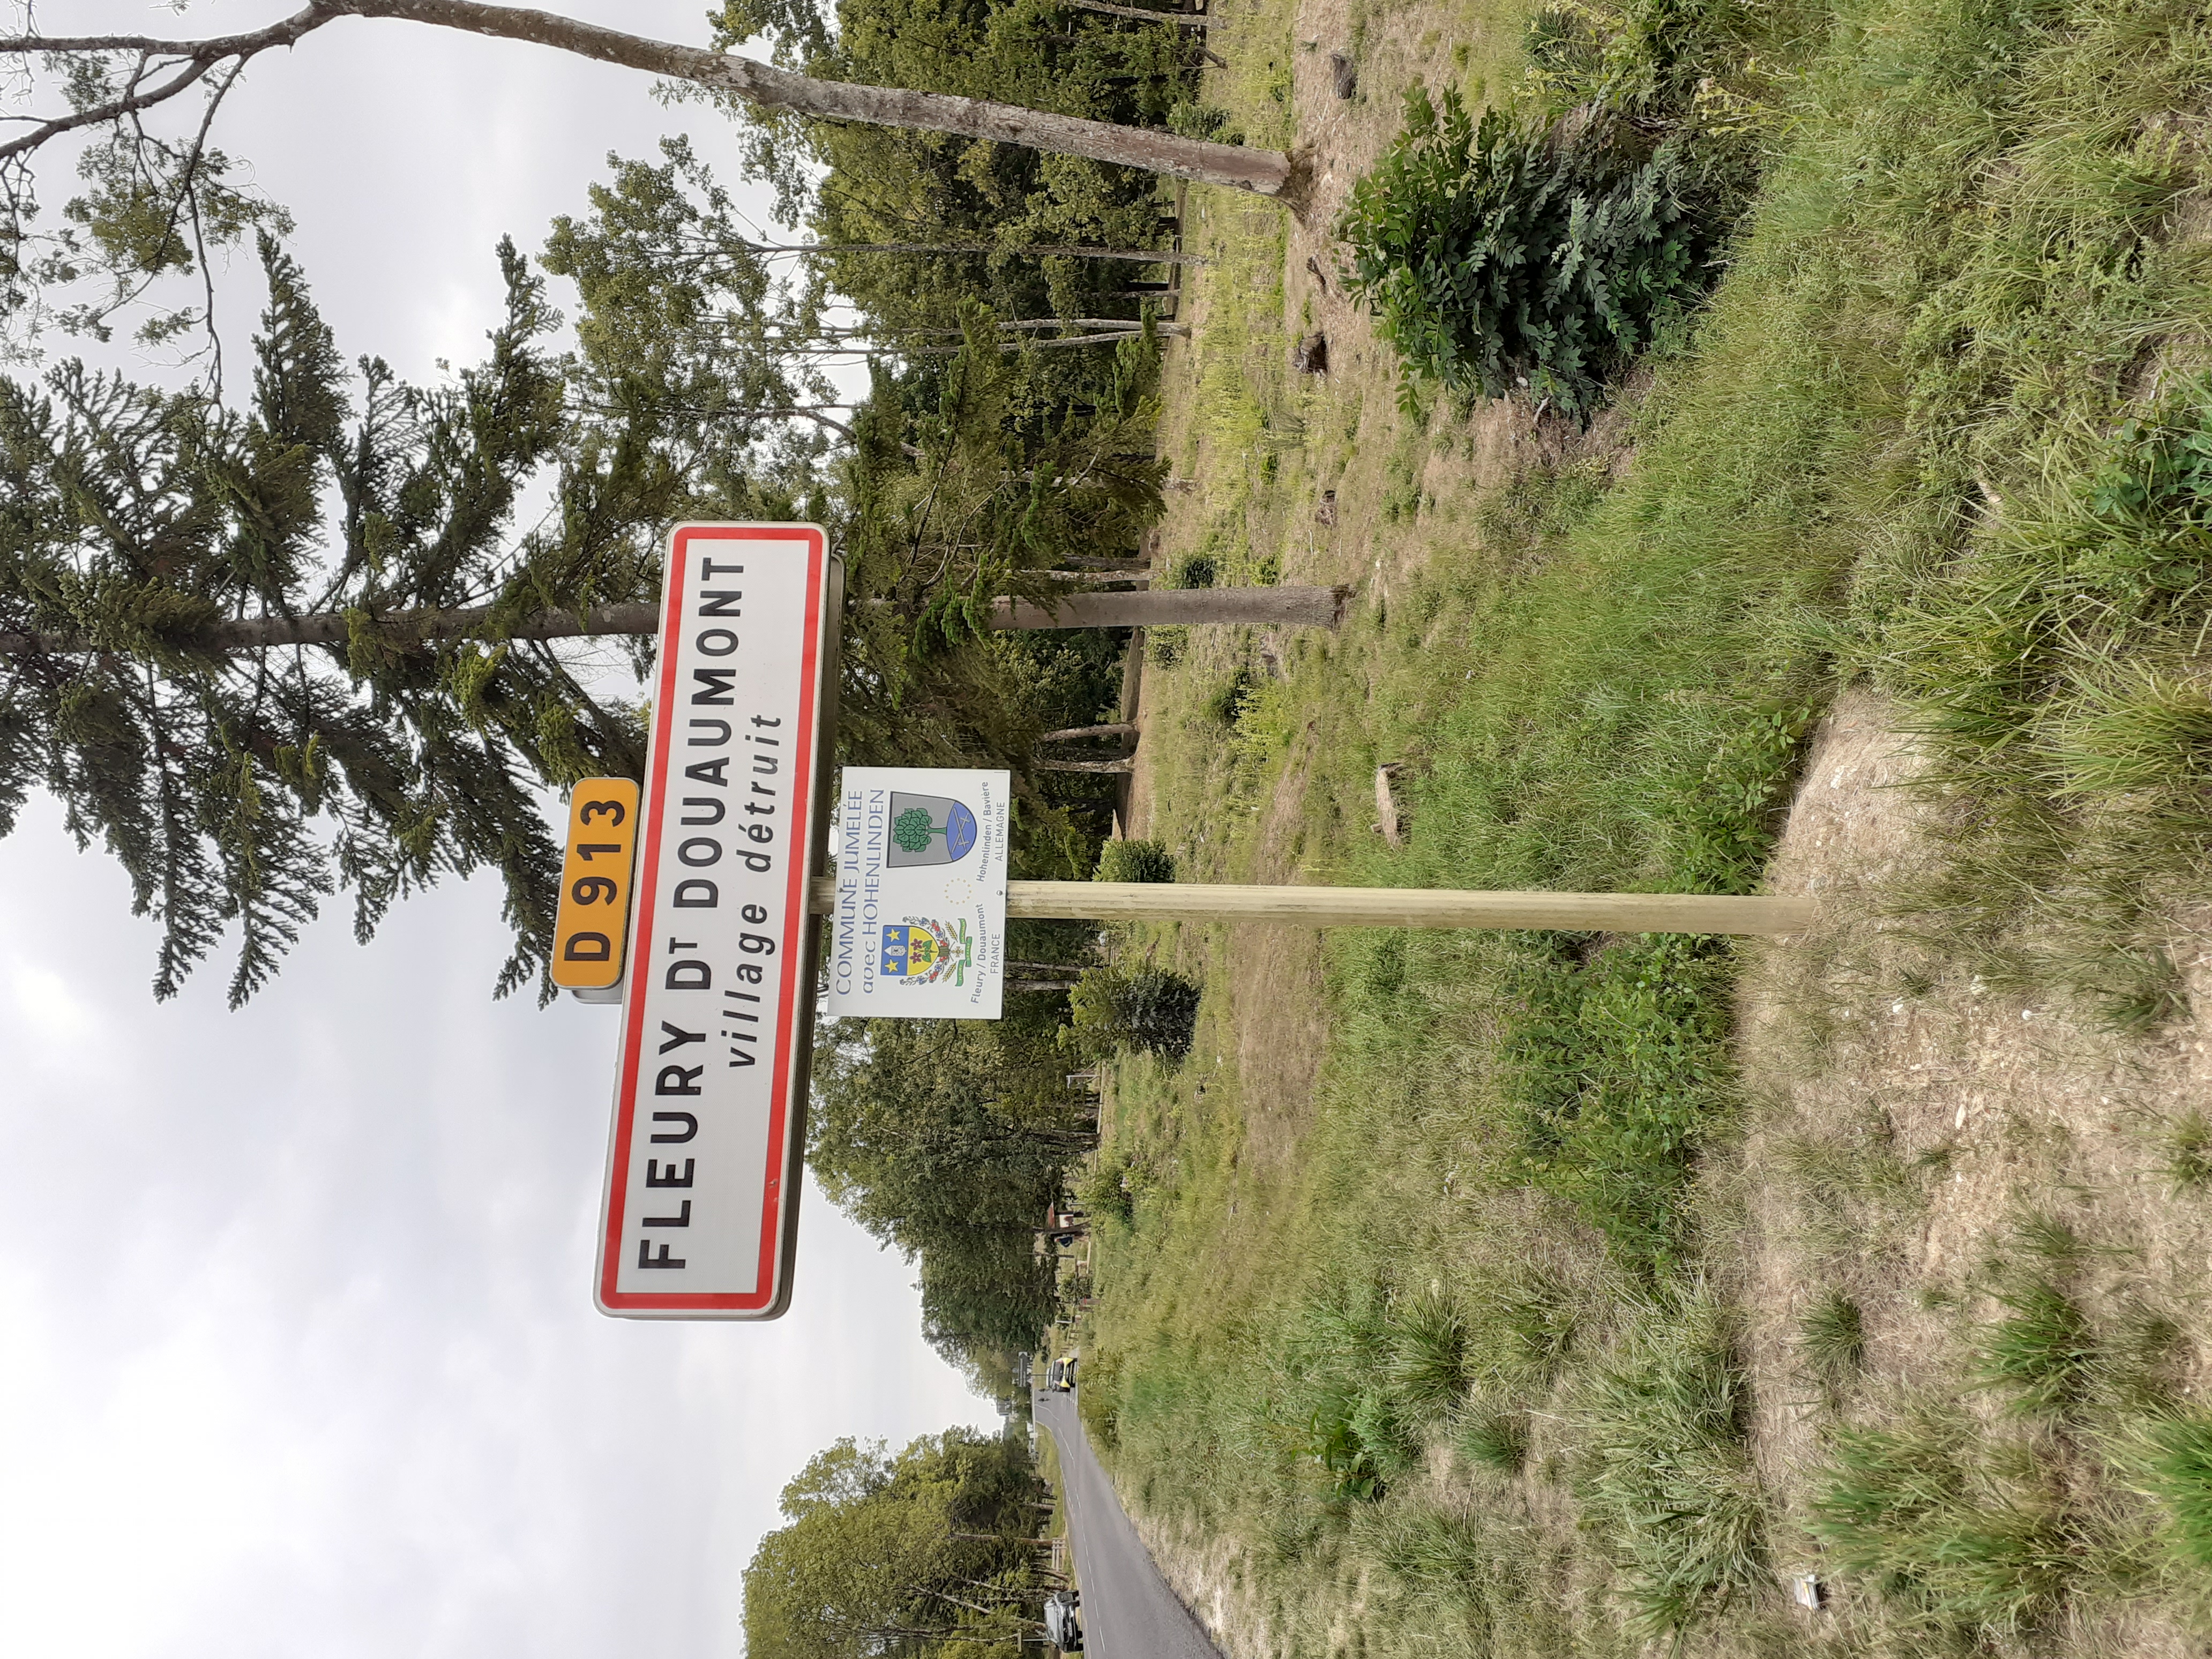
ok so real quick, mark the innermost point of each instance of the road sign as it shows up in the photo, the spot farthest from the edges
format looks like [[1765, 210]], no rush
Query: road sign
[[701, 1198], [592, 926], [920, 928]]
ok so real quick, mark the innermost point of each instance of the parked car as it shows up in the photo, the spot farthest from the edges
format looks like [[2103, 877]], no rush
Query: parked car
[[1061, 1627]]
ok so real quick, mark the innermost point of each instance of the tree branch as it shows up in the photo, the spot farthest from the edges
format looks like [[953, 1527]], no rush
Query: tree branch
[[1136, 256], [1187, 20], [1265, 173], [1265, 607]]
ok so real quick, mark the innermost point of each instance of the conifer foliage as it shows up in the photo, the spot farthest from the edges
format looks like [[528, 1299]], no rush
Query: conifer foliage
[[1495, 256], [244, 787]]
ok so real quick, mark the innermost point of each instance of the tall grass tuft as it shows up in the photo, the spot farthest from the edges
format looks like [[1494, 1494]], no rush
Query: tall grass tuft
[[1665, 1473], [1474, 1567], [1977, 1536], [1494, 1439], [2189, 1153], [2043, 1352], [1832, 1339], [2182, 1472], [1428, 1367]]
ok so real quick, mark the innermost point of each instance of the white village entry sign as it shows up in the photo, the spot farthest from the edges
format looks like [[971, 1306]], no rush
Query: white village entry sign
[[703, 1169]]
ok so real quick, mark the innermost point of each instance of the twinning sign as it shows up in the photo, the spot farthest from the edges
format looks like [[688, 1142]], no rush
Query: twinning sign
[[703, 1172], [919, 930]]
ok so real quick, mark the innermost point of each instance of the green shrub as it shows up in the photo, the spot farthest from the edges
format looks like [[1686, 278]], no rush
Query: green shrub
[[1198, 570], [1152, 1009], [1336, 1360], [1495, 256], [1134, 860], [1723, 823], [1098, 1401], [1106, 1189], [1230, 699], [1615, 1068]]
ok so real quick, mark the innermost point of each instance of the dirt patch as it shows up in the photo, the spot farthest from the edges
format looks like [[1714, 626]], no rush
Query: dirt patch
[[1202, 1572], [1862, 1049]]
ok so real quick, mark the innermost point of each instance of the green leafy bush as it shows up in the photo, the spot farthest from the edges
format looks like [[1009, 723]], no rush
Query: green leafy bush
[[1497, 255], [1231, 699], [1615, 1068], [1107, 1188], [1134, 860]]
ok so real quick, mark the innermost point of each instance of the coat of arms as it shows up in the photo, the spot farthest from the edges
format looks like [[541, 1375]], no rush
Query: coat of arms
[[920, 951]]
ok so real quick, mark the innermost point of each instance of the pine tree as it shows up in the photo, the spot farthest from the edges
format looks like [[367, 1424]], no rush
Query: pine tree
[[247, 786]]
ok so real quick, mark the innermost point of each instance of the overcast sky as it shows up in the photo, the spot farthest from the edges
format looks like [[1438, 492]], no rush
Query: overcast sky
[[297, 1350]]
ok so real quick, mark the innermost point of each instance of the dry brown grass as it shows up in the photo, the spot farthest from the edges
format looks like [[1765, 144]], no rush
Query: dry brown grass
[[1988, 1115]]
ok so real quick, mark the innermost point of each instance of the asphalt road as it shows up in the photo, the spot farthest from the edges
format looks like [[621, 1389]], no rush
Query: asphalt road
[[1128, 1611]]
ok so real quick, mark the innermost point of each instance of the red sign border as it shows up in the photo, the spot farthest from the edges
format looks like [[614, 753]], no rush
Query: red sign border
[[785, 1149]]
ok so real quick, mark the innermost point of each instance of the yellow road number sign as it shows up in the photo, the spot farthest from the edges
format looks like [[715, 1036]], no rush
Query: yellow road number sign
[[593, 925]]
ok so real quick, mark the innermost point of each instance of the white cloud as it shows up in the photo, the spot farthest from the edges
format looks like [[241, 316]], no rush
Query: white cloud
[[297, 1352]]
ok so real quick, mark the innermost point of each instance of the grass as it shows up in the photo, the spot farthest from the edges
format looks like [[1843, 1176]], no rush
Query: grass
[[2182, 1470], [1427, 1364], [1832, 1338], [1416, 1303], [1974, 1537], [1494, 1440], [2189, 1153], [1664, 1473], [2042, 1353]]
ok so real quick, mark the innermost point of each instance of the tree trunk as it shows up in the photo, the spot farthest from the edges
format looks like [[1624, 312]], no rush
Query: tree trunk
[[1172, 607], [1267, 607], [1181, 19], [1264, 172], [1069, 733], [400, 628], [1137, 256], [1114, 768]]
